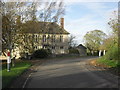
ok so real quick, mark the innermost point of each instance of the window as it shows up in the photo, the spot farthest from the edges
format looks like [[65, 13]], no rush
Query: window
[[48, 37], [61, 47], [54, 39], [36, 38], [53, 47], [44, 38], [61, 38], [35, 47]]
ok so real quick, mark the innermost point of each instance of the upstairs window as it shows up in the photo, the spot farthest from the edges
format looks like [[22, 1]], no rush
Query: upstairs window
[[36, 38], [48, 37], [61, 38], [44, 38], [53, 38], [61, 47]]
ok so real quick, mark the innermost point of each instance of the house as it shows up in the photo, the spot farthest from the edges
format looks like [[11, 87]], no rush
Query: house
[[47, 35], [82, 50]]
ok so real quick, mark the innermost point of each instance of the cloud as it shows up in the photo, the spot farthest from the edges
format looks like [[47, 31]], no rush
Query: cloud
[[96, 20]]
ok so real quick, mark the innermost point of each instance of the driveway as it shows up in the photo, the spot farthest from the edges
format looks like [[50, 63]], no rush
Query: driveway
[[72, 73]]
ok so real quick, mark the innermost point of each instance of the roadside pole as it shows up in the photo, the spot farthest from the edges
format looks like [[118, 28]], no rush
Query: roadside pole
[[100, 53], [8, 61], [104, 52]]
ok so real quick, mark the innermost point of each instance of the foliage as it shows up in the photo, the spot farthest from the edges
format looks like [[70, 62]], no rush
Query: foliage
[[73, 51], [93, 39], [7, 77], [112, 53], [16, 13], [41, 53], [111, 43], [107, 62], [113, 23], [9, 27]]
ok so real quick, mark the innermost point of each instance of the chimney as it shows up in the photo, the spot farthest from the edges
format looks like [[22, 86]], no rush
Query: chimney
[[62, 22]]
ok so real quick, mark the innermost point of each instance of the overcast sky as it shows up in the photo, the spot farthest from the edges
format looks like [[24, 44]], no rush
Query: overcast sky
[[82, 17]]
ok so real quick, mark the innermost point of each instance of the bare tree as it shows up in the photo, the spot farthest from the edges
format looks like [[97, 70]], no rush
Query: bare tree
[[72, 42]]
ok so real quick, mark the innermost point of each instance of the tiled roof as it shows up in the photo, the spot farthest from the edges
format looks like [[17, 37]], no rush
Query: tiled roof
[[43, 28]]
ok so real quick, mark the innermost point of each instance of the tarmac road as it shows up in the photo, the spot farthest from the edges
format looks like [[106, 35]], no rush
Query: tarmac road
[[72, 73]]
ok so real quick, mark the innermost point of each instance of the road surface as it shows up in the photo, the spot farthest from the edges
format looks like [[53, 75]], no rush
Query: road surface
[[72, 73]]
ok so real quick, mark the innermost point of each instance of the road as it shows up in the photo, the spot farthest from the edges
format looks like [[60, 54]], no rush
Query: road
[[72, 73]]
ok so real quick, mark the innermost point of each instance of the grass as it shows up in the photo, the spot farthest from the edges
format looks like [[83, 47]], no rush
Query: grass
[[111, 63], [8, 77]]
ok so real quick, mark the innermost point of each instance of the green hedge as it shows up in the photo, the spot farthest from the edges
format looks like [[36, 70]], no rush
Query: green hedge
[[41, 53]]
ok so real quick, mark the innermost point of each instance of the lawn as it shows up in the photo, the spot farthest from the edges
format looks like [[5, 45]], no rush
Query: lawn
[[8, 77]]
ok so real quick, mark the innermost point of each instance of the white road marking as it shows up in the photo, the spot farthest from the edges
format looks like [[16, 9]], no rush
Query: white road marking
[[26, 81]]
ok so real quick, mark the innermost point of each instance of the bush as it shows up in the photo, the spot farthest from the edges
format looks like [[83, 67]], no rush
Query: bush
[[112, 53], [41, 53], [73, 51]]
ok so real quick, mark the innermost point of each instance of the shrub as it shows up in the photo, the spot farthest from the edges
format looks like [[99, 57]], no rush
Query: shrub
[[73, 51], [112, 53], [41, 53]]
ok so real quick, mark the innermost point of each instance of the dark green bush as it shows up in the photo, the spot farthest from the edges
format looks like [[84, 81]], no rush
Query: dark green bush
[[41, 53], [73, 51]]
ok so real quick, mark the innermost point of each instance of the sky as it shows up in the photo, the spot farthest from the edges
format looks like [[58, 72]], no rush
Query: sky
[[81, 17]]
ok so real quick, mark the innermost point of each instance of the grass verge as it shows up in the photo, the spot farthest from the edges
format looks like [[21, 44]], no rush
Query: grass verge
[[110, 63], [8, 77]]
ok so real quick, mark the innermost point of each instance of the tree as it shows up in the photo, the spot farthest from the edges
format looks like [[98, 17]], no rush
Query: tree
[[16, 13], [9, 13], [93, 40], [112, 42], [72, 42], [114, 25]]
